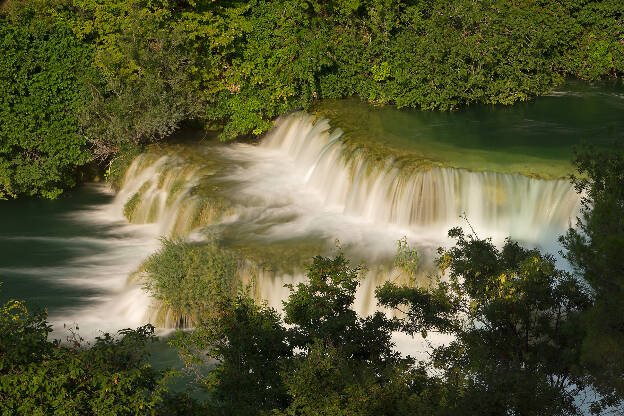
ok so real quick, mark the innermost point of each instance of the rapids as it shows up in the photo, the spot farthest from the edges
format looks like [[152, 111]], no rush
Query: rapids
[[301, 189]]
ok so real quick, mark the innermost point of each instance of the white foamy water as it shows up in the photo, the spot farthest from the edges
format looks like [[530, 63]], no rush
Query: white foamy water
[[301, 182], [425, 202], [113, 256]]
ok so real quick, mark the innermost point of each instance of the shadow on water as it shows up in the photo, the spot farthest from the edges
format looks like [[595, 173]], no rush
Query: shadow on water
[[40, 242]]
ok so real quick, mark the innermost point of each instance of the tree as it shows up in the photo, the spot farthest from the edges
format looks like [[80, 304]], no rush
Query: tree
[[594, 248], [326, 381], [146, 84], [39, 377], [320, 310], [250, 345], [41, 94], [515, 322], [348, 365]]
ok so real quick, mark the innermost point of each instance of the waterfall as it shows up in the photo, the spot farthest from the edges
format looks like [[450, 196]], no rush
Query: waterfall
[[163, 189], [426, 200], [305, 185]]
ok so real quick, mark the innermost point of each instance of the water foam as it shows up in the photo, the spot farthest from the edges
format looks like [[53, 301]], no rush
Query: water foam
[[303, 182]]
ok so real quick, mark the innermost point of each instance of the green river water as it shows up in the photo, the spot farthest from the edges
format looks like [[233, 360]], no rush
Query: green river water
[[73, 255]]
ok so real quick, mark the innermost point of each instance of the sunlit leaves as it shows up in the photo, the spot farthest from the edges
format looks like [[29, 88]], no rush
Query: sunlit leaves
[[38, 376], [41, 94]]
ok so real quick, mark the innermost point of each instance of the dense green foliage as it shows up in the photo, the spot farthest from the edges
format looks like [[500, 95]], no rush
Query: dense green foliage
[[191, 279], [251, 344], [147, 81], [41, 97], [514, 319], [516, 342], [114, 73], [328, 361], [595, 250], [42, 377]]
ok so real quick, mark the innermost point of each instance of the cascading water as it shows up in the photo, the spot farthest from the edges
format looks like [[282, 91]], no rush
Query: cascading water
[[304, 183], [427, 201], [290, 197]]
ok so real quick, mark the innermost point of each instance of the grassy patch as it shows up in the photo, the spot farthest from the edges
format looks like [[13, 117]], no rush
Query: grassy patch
[[131, 206], [120, 164], [189, 279]]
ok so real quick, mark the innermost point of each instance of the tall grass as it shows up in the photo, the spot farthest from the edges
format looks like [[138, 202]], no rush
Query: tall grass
[[191, 278]]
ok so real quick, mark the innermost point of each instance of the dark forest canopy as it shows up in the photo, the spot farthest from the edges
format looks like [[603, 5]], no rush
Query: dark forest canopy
[[83, 80]]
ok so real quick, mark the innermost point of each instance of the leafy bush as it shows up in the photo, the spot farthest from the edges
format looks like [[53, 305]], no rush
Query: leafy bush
[[41, 95], [39, 377], [190, 278]]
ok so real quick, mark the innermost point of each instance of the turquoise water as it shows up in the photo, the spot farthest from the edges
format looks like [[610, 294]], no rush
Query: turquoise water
[[41, 240], [535, 137], [64, 256]]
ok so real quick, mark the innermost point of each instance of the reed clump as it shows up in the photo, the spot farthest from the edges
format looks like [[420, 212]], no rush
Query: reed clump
[[188, 279]]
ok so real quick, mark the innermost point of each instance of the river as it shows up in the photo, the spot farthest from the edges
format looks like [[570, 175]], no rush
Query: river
[[355, 174]]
